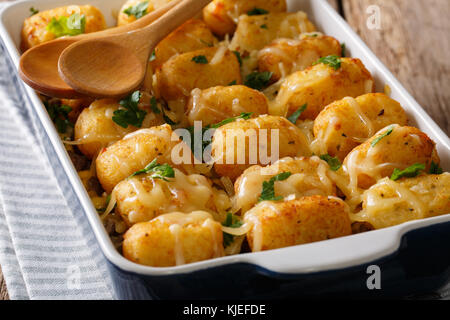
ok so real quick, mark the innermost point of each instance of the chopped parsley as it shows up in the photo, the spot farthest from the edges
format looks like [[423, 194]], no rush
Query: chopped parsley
[[333, 61], [264, 26], [257, 12], [268, 188], [294, 117], [231, 221], [344, 50], [158, 171], [200, 59], [67, 26], [232, 83], [409, 172], [33, 11], [139, 10], [258, 80], [59, 115], [154, 106], [435, 169], [379, 138], [333, 162], [152, 56], [208, 44], [238, 56], [130, 114]]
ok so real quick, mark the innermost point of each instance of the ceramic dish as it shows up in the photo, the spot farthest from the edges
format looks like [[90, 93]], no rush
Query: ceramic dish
[[413, 256]]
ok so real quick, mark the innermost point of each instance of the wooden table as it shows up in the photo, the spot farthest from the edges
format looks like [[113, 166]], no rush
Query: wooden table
[[413, 42]]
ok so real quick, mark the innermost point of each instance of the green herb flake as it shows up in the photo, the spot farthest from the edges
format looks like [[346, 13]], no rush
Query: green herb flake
[[156, 171], [257, 12], [343, 50], [139, 10], [130, 114], [33, 11], [333, 162], [294, 117], [379, 138], [333, 61], [59, 115], [232, 83], [268, 188], [264, 26], [231, 221], [409, 172], [154, 106], [244, 115], [200, 59], [152, 56], [208, 44], [258, 80], [435, 169], [67, 26], [238, 56]]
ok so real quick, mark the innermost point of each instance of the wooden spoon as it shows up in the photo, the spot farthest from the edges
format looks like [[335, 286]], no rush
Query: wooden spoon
[[116, 65], [39, 65]]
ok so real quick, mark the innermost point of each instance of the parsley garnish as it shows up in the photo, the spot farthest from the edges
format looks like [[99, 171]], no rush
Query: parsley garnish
[[409, 172], [154, 106], [33, 11], [67, 26], [344, 50], [208, 44], [294, 117], [258, 80], [200, 59], [378, 139], [131, 114], [59, 115], [139, 10], [238, 56], [333, 61], [268, 189], [158, 171], [435, 169], [231, 222], [232, 83], [264, 26], [152, 56], [257, 12], [333, 162]]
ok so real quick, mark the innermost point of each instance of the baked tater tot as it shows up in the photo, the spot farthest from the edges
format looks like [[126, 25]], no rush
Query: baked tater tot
[[219, 103], [201, 69], [255, 32], [174, 239], [321, 85], [142, 198], [309, 176], [393, 147], [135, 9], [95, 128], [221, 16], [135, 151], [288, 223], [77, 106], [285, 56], [346, 123], [389, 203], [190, 36], [242, 143], [37, 28]]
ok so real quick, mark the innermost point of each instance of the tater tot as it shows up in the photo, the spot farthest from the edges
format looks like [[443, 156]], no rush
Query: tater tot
[[221, 16], [288, 223], [309, 176], [135, 151], [174, 239], [285, 56], [346, 123], [35, 31], [144, 6], [255, 32], [201, 69], [389, 203], [77, 106], [393, 147], [242, 143], [321, 85], [190, 36], [219, 103], [141, 198], [95, 128]]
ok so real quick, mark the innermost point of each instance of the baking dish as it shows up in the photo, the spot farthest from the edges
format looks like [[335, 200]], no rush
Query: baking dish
[[414, 257]]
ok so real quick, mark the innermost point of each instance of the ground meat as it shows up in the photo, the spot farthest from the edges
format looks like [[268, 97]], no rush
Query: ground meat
[[79, 161]]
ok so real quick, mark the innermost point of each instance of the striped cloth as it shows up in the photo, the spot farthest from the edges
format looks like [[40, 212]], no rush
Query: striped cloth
[[47, 249]]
